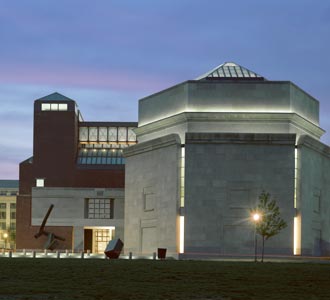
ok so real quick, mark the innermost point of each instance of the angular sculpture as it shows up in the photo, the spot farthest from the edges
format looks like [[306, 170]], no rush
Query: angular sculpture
[[52, 239], [114, 248]]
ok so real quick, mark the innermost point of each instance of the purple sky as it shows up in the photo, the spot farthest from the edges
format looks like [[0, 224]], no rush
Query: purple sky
[[106, 54]]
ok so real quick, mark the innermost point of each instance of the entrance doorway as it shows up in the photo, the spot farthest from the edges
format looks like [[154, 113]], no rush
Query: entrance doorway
[[96, 239]]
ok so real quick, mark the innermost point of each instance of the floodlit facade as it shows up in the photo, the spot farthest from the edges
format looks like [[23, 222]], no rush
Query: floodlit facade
[[8, 192], [78, 167], [207, 148]]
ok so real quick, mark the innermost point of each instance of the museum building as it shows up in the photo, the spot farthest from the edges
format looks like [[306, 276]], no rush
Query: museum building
[[79, 168], [206, 150]]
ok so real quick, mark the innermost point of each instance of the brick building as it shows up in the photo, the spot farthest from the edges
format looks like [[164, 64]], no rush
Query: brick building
[[78, 167]]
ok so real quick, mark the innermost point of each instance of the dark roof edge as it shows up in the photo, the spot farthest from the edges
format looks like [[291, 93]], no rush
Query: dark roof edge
[[130, 124]]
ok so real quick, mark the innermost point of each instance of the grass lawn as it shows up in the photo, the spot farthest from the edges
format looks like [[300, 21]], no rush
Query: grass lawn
[[67, 279]]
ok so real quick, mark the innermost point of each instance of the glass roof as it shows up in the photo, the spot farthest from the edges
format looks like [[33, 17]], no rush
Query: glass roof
[[230, 70]]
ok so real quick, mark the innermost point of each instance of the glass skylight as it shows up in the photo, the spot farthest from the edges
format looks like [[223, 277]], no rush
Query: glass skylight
[[230, 70]]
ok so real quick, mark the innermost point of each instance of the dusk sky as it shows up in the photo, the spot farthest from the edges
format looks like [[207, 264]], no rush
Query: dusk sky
[[107, 54]]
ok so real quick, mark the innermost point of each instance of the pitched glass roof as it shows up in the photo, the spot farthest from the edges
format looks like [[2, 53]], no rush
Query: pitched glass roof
[[230, 70], [55, 97]]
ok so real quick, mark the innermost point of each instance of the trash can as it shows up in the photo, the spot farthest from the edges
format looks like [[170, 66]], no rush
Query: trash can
[[161, 253]]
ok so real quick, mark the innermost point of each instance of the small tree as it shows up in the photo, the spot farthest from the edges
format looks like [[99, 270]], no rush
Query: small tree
[[271, 222]]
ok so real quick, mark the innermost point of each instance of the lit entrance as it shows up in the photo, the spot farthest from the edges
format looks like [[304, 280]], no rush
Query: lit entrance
[[96, 239]]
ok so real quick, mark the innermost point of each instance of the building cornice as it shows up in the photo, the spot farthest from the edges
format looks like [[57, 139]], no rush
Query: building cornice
[[313, 144], [231, 117], [165, 141]]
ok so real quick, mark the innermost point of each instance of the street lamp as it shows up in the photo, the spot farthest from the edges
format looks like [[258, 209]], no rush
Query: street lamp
[[256, 219], [5, 236]]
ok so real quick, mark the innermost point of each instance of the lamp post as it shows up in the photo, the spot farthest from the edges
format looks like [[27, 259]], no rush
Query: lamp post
[[5, 236], [256, 218]]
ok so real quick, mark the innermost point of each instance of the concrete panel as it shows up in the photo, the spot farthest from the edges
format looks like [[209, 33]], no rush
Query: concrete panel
[[225, 173], [313, 201], [152, 172]]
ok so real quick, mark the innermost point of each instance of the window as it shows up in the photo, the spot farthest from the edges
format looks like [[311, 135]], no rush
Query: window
[[112, 131], [53, 106], [45, 106], [2, 215], [83, 134], [99, 208], [3, 225], [122, 134], [93, 134], [103, 134], [131, 135], [100, 156], [40, 182], [2, 205], [12, 205], [13, 215], [101, 238], [63, 106]]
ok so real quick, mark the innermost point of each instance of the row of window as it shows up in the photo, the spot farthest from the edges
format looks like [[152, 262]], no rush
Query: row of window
[[107, 134], [8, 193], [101, 157], [3, 226], [3, 215], [54, 106], [4, 205]]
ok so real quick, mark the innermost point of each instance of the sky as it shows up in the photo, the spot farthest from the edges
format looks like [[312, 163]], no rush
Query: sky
[[107, 54]]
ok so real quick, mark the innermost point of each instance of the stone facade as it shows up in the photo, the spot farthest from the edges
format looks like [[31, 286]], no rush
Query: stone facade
[[152, 187], [240, 134], [225, 173], [71, 209]]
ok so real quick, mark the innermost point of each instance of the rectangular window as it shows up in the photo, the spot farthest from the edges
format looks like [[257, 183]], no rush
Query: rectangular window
[[103, 134], [2, 205], [63, 106], [122, 134], [45, 106], [13, 215], [93, 134], [12, 205], [83, 134], [112, 133], [40, 182], [2, 215], [53, 106], [131, 135], [3, 225], [99, 208]]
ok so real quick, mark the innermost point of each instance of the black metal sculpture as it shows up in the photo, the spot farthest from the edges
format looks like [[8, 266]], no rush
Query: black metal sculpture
[[52, 240]]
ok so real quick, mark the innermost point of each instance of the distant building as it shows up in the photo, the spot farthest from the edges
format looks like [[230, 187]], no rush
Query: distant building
[[8, 192], [78, 167], [207, 148]]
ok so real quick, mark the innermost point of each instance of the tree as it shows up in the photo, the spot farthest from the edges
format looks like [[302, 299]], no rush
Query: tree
[[270, 223]]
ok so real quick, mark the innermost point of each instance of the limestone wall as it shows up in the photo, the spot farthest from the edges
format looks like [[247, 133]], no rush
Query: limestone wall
[[225, 173], [151, 195], [314, 196]]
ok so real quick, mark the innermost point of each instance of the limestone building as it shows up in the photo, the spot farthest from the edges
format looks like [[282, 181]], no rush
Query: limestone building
[[207, 148]]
